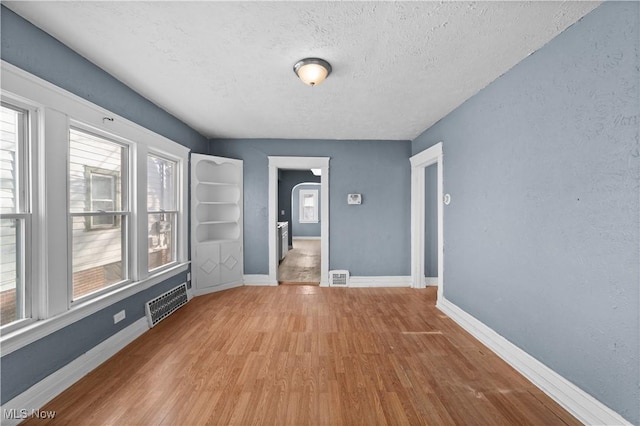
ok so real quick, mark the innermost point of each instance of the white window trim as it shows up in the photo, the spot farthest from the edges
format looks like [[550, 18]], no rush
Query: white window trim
[[55, 107], [301, 196]]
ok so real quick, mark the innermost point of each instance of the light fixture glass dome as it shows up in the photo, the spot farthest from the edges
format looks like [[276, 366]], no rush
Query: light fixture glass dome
[[312, 71]]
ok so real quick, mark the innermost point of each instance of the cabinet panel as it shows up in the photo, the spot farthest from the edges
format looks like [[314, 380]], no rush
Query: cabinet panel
[[207, 265], [230, 266]]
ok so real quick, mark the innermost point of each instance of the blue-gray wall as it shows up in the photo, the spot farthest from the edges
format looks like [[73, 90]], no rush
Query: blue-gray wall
[[287, 179], [27, 47], [368, 240], [542, 233], [304, 229]]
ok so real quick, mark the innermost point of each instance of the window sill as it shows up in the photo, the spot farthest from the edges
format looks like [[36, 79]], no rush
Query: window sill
[[36, 330]]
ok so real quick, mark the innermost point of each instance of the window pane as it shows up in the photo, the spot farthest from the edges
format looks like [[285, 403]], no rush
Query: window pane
[[95, 171], [11, 285], [161, 184], [103, 205], [308, 214], [103, 221], [11, 132], [309, 200], [97, 257], [161, 239], [102, 187]]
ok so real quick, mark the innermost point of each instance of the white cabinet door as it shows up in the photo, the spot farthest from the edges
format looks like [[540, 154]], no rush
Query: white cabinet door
[[206, 264], [216, 223]]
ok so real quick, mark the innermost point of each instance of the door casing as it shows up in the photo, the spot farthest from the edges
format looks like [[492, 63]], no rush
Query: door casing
[[299, 163], [419, 163]]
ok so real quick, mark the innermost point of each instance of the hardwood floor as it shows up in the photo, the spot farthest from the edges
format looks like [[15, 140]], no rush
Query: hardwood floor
[[306, 355], [302, 263]]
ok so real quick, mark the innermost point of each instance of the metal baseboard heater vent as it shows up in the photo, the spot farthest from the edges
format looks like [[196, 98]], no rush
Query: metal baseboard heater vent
[[164, 305], [339, 278]]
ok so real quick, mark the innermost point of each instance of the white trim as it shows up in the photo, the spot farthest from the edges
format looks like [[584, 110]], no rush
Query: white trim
[[227, 286], [419, 162], [258, 280], [51, 386], [380, 281], [39, 329], [307, 238], [430, 281], [297, 163], [573, 399]]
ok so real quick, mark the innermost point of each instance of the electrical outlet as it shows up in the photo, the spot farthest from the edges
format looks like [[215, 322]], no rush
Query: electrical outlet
[[119, 316], [282, 212], [188, 276]]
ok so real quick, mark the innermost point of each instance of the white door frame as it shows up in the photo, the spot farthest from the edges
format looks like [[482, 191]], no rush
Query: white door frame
[[419, 162], [299, 163]]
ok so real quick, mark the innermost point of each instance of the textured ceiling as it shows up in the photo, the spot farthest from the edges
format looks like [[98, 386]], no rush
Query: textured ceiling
[[225, 68]]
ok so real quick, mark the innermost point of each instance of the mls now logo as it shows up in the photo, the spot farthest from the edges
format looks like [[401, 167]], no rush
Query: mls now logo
[[21, 414]]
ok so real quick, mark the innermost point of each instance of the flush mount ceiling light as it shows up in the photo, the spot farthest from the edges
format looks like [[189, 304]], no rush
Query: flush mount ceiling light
[[312, 71]]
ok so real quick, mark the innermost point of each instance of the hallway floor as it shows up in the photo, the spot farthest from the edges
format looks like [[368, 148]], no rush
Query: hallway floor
[[302, 264]]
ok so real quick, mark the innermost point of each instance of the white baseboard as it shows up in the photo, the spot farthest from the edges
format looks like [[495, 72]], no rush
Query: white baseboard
[[306, 238], [51, 386], [580, 404], [258, 280], [431, 281], [203, 291], [392, 281]]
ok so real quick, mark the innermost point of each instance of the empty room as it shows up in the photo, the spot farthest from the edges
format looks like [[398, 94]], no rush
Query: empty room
[[322, 212]]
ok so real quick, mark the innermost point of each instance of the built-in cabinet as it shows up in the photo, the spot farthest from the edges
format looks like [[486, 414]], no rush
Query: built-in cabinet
[[216, 223]]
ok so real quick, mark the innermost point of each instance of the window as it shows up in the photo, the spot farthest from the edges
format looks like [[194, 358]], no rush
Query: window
[[102, 196], [77, 231], [161, 210], [308, 206], [100, 237], [14, 214]]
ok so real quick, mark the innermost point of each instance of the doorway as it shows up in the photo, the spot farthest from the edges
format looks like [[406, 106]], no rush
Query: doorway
[[419, 163], [299, 209], [297, 163]]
